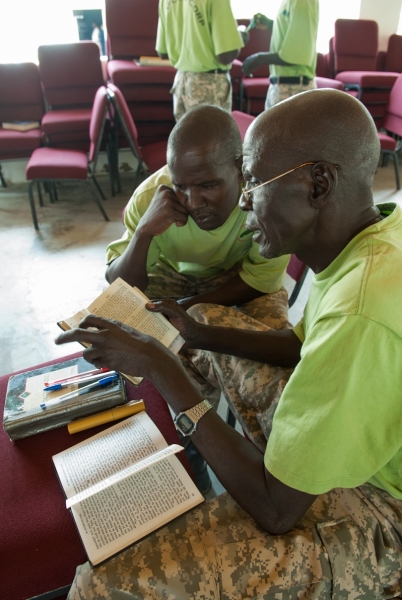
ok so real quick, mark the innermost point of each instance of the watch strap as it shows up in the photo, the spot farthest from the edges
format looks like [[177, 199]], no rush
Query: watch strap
[[196, 412]]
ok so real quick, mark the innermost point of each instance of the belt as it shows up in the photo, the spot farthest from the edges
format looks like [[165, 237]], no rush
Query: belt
[[217, 71], [300, 80]]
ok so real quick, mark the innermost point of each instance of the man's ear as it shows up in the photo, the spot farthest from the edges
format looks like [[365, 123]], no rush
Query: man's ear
[[239, 164], [324, 181]]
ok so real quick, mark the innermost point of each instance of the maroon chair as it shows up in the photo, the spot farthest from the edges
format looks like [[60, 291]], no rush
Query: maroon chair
[[131, 27], [151, 157], [355, 55], [326, 82], [40, 545], [50, 165], [254, 89], [243, 122], [21, 99], [393, 57], [297, 271], [71, 75], [391, 141]]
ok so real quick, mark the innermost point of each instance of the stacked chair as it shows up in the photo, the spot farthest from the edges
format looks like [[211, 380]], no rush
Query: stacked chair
[[355, 61], [391, 140], [131, 26], [51, 165], [21, 99], [70, 75]]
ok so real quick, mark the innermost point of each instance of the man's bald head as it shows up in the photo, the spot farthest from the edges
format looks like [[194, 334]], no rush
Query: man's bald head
[[317, 125], [206, 129]]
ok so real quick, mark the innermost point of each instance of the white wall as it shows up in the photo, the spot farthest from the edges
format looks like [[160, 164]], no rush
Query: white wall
[[386, 13]]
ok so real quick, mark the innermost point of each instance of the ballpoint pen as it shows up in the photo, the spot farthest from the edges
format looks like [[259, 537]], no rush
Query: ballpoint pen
[[79, 392], [76, 376], [78, 380]]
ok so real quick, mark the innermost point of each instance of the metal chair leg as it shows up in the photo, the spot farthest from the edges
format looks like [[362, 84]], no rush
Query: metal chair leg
[[3, 181], [230, 418], [39, 193], [54, 186], [98, 187], [111, 168], [397, 174], [32, 203], [96, 199]]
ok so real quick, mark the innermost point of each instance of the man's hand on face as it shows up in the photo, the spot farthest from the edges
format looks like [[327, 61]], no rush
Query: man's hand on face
[[164, 210], [116, 346]]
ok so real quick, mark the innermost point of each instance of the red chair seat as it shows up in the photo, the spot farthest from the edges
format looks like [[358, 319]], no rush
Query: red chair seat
[[40, 543], [256, 87], [368, 79], [19, 141], [154, 155], [123, 72], [55, 163], [68, 120], [325, 82], [387, 142]]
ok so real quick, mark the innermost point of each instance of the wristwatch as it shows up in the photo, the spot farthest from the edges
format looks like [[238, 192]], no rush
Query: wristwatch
[[186, 422]]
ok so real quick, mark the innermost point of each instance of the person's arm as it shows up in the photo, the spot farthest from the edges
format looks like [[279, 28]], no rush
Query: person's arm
[[237, 463], [251, 63], [277, 347], [234, 291], [163, 210]]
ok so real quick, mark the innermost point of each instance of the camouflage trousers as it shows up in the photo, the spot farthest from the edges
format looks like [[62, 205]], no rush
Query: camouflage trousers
[[251, 389], [346, 547], [190, 89], [281, 91]]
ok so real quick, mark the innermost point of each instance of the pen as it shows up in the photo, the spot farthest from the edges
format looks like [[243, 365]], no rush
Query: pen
[[75, 393], [84, 373], [86, 379], [120, 412]]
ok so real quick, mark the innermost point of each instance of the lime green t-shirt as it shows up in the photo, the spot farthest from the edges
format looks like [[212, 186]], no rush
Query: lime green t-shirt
[[192, 251], [193, 32], [294, 37], [339, 420]]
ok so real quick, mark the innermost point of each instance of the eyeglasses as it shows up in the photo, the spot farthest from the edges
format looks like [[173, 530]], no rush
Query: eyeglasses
[[247, 193]]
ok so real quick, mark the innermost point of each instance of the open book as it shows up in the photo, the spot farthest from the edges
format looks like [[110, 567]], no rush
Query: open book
[[21, 125], [126, 304], [122, 484], [153, 61]]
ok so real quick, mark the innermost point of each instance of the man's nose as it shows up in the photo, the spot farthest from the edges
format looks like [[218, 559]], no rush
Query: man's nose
[[245, 202], [194, 198]]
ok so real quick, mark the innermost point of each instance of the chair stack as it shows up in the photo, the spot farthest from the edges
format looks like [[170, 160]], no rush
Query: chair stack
[[131, 26]]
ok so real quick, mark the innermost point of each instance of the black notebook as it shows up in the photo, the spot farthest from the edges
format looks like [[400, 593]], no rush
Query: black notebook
[[23, 415]]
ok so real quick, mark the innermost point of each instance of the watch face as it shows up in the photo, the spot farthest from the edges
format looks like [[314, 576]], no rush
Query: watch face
[[185, 423]]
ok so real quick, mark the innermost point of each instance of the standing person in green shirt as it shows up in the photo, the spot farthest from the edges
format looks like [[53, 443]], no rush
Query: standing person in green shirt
[[317, 513], [292, 55], [201, 39]]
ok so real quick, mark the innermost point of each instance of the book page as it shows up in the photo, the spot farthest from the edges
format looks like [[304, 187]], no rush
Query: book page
[[114, 518], [122, 302], [107, 453], [118, 477]]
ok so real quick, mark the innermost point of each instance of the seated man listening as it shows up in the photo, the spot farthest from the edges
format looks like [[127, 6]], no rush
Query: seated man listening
[[318, 513]]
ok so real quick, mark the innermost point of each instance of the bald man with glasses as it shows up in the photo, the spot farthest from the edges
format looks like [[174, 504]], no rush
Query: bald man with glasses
[[316, 513]]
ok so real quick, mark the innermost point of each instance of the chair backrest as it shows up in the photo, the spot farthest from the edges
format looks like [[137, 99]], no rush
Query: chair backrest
[[297, 271], [260, 40], [393, 115], [97, 123], [21, 96], [355, 45], [393, 60], [70, 74], [131, 27], [125, 119], [243, 122]]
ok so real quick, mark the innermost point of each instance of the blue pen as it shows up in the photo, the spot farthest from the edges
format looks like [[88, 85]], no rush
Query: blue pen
[[78, 380], [100, 383]]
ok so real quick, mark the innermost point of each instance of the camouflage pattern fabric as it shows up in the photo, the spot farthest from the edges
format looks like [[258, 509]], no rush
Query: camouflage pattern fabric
[[281, 91], [346, 547], [191, 89], [251, 389]]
